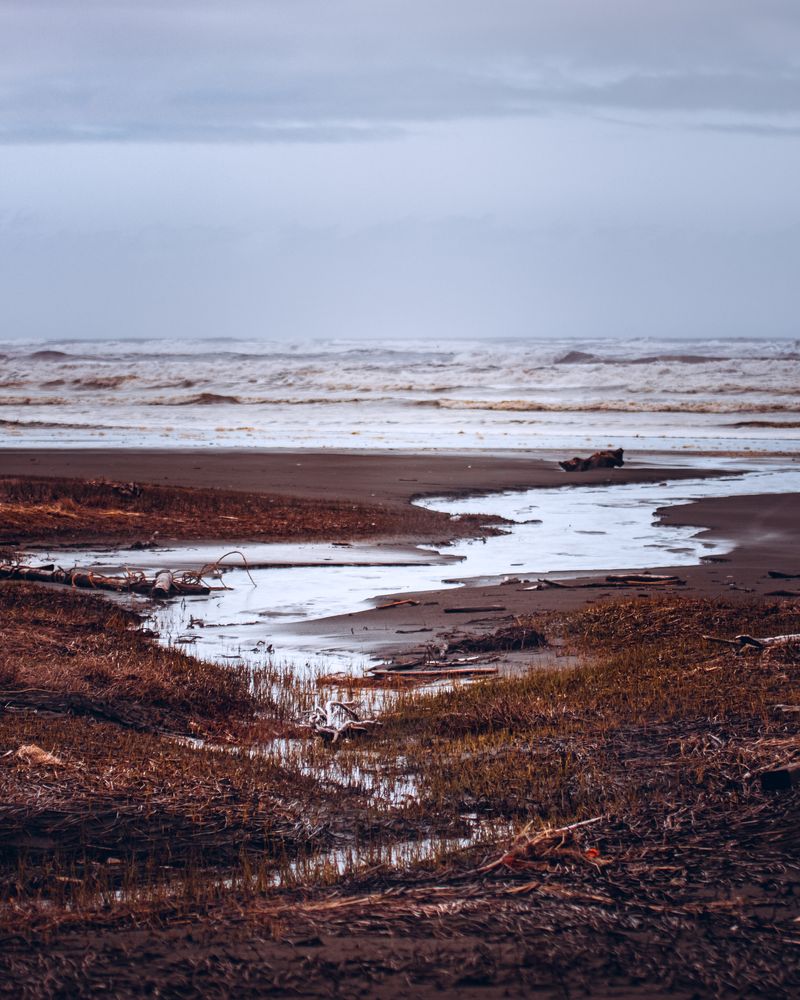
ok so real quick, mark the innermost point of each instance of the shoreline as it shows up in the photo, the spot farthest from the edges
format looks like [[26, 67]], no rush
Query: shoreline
[[762, 529], [383, 477], [740, 574]]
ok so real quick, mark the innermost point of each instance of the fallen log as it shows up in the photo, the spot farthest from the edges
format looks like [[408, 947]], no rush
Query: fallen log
[[656, 579], [433, 672], [133, 582], [396, 604], [632, 580], [766, 642]]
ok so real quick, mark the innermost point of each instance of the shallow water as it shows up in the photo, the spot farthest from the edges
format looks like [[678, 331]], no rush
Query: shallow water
[[560, 530]]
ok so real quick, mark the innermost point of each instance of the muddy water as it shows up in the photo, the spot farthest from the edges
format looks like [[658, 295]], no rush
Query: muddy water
[[561, 530]]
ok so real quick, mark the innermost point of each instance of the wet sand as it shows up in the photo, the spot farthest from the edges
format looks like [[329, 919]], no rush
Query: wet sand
[[765, 529], [363, 477]]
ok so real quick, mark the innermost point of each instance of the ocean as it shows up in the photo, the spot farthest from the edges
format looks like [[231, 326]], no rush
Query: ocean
[[639, 394]]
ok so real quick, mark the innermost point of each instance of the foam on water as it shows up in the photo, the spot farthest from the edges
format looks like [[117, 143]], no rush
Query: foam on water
[[737, 395]]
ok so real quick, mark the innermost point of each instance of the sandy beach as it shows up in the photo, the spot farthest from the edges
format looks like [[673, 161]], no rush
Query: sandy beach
[[595, 776], [763, 529]]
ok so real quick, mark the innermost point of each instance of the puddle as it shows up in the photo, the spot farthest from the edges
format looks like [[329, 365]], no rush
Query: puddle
[[575, 528]]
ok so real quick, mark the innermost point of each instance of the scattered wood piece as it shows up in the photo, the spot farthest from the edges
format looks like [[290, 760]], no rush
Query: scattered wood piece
[[631, 580], [777, 575], [433, 671], [781, 778], [134, 581], [472, 610], [532, 849], [337, 719], [766, 642], [396, 604], [512, 637], [650, 578]]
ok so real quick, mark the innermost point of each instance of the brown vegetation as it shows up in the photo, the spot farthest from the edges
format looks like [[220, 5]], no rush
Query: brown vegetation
[[66, 511], [685, 880], [82, 654]]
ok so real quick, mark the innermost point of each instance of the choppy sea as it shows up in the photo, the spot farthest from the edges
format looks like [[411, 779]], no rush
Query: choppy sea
[[738, 395]]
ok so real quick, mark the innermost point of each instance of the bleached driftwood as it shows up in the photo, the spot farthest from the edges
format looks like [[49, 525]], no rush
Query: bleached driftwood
[[336, 719], [766, 642], [165, 584]]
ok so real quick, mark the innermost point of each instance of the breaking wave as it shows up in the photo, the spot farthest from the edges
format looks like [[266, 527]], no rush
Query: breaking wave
[[609, 406]]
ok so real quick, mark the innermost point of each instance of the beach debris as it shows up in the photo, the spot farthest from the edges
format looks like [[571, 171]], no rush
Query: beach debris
[[609, 459], [336, 719], [127, 491], [30, 753], [775, 574], [133, 581], [468, 610], [163, 583], [435, 671], [653, 579], [534, 850], [626, 580], [780, 778], [396, 604], [742, 642], [513, 637], [215, 569]]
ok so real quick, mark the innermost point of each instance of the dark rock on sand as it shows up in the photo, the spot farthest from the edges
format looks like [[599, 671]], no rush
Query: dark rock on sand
[[610, 459]]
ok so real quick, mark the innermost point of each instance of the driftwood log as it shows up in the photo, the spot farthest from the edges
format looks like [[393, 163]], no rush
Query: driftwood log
[[433, 671], [165, 584], [742, 642], [628, 580]]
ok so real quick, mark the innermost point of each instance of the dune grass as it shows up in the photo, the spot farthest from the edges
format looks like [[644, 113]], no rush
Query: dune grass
[[67, 511]]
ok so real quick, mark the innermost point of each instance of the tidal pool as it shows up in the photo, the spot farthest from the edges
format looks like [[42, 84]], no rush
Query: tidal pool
[[560, 530]]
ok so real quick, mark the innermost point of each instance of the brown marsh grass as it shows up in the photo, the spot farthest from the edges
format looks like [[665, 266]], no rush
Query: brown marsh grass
[[67, 511], [687, 879]]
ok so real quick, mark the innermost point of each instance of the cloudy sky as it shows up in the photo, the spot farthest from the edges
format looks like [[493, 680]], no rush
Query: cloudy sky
[[313, 168]]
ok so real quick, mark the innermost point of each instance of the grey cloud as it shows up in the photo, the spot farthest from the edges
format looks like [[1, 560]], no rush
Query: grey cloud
[[319, 71], [765, 130]]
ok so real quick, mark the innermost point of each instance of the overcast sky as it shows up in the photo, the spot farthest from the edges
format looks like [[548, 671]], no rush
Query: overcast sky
[[313, 168]]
